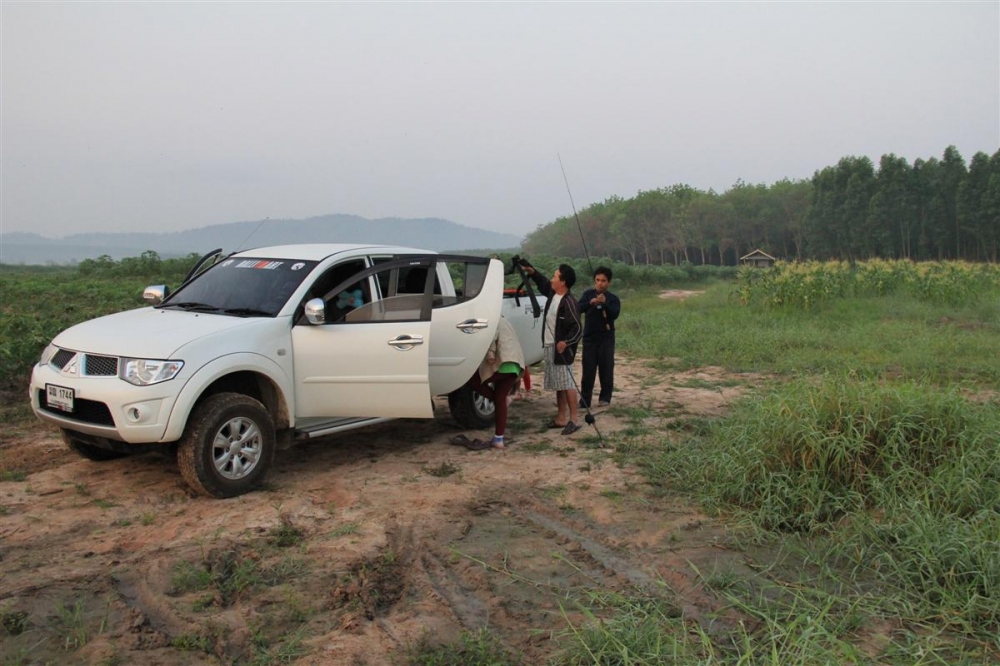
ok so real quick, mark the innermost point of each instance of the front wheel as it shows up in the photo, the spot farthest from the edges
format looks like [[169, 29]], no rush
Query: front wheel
[[228, 445], [471, 409]]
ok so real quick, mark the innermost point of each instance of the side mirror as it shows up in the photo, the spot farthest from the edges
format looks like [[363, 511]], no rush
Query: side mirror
[[315, 311], [155, 294]]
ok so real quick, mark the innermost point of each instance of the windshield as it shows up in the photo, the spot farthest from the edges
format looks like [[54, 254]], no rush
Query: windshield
[[242, 287]]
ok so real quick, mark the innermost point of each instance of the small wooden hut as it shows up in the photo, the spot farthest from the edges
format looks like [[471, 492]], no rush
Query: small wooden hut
[[758, 259]]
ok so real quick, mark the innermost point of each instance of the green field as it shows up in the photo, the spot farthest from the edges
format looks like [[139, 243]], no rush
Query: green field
[[868, 463]]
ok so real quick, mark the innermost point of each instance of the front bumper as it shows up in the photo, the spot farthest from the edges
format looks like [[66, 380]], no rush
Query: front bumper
[[105, 406]]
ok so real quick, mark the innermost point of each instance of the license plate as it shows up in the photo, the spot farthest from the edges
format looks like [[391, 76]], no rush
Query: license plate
[[59, 397]]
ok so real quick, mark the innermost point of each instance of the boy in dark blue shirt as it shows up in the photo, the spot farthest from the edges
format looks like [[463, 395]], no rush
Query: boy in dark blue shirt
[[601, 308]]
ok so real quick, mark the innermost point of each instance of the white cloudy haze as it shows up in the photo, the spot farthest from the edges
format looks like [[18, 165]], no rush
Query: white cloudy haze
[[167, 116]]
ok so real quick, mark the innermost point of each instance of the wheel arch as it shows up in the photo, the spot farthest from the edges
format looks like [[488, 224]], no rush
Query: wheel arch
[[255, 376]]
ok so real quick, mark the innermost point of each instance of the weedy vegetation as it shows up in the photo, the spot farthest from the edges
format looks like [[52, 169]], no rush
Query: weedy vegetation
[[867, 470]]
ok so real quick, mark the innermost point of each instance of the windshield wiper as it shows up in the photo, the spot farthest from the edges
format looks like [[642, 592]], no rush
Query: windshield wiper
[[247, 312], [191, 305]]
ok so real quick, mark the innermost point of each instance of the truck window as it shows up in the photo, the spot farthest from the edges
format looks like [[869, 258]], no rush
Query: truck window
[[467, 278], [408, 303]]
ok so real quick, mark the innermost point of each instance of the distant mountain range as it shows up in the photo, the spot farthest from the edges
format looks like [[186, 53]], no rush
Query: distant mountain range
[[427, 233]]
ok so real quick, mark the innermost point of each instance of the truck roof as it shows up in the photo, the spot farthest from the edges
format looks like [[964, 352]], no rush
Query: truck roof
[[319, 251]]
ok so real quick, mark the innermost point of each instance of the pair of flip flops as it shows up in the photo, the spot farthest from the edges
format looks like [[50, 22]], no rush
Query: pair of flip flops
[[570, 428], [567, 429]]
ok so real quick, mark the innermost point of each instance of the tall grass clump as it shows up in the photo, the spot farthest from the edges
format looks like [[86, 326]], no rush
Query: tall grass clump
[[903, 479]]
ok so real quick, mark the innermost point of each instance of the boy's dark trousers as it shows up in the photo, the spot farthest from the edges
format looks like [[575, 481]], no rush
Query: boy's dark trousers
[[598, 360]]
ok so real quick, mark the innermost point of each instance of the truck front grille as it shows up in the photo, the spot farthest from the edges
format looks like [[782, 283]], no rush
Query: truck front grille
[[87, 411], [61, 358], [93, 364], [101, 365]]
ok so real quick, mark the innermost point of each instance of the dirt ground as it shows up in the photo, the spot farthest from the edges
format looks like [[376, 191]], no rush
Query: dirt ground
[[361, 544]]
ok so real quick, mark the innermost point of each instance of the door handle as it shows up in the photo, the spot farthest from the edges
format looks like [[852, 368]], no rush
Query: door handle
[[406, 342], [470, 326]]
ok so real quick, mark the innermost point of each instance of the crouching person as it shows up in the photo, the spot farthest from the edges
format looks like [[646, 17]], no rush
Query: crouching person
[[498, 375]]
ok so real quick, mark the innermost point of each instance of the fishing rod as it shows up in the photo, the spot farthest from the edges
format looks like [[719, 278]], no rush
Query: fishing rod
[[579, 227], [589, 419]]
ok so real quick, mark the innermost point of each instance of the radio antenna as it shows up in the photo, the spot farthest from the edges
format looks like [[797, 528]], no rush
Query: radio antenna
[[579, 227], [256, 229], [589, 418]]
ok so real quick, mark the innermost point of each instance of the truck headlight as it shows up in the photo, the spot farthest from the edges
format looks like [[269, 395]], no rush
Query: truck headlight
[[146, 371], [47, 354]]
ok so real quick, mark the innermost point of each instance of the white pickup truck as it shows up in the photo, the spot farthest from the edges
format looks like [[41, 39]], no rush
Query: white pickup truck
[[276, 344]]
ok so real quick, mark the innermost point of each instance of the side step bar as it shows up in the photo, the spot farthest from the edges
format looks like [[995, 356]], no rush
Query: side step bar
[[309, 428]]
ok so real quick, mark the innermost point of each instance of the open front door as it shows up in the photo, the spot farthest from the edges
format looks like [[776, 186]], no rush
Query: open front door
[[464, 323], [371, 357]]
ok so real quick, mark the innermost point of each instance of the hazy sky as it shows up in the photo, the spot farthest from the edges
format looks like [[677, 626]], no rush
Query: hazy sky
[[162, 116]]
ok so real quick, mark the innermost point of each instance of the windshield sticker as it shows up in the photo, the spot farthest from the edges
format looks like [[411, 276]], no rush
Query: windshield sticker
[[227, 262], [260, 264], [299, 266]]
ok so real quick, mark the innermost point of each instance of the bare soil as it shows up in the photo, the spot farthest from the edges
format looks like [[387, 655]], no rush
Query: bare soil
[[360, 545]]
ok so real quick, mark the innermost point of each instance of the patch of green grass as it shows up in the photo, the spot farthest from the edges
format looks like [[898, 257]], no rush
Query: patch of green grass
[[285, 534], [555, 492], [203, 602], [231, 572], [12, 475], [444, 469], [70, 624], [634, 412], [697, 383], [295, 610], [192, 643], [345, 529], [538, 446], [147, 518], [13, 622], [187, 577], [473, 648], [624, 630], [289, 647], [612, 495]]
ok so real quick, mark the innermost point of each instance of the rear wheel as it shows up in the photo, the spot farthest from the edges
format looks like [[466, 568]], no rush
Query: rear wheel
[[90, 447], [471, 409], [228, 445]]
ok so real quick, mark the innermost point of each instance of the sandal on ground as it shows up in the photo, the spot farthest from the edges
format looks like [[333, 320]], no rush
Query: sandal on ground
[[460, 440], [553, 424], [479, 445], [570, 428]]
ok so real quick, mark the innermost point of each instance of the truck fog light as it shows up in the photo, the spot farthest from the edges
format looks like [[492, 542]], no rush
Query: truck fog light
[[142, 412]]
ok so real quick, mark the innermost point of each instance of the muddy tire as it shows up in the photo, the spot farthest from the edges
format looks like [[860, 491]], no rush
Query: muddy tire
[[228, 445], [470, 409], [85, 446]]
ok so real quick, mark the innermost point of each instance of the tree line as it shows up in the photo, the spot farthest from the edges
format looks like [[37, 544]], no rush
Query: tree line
[[934, 209]]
